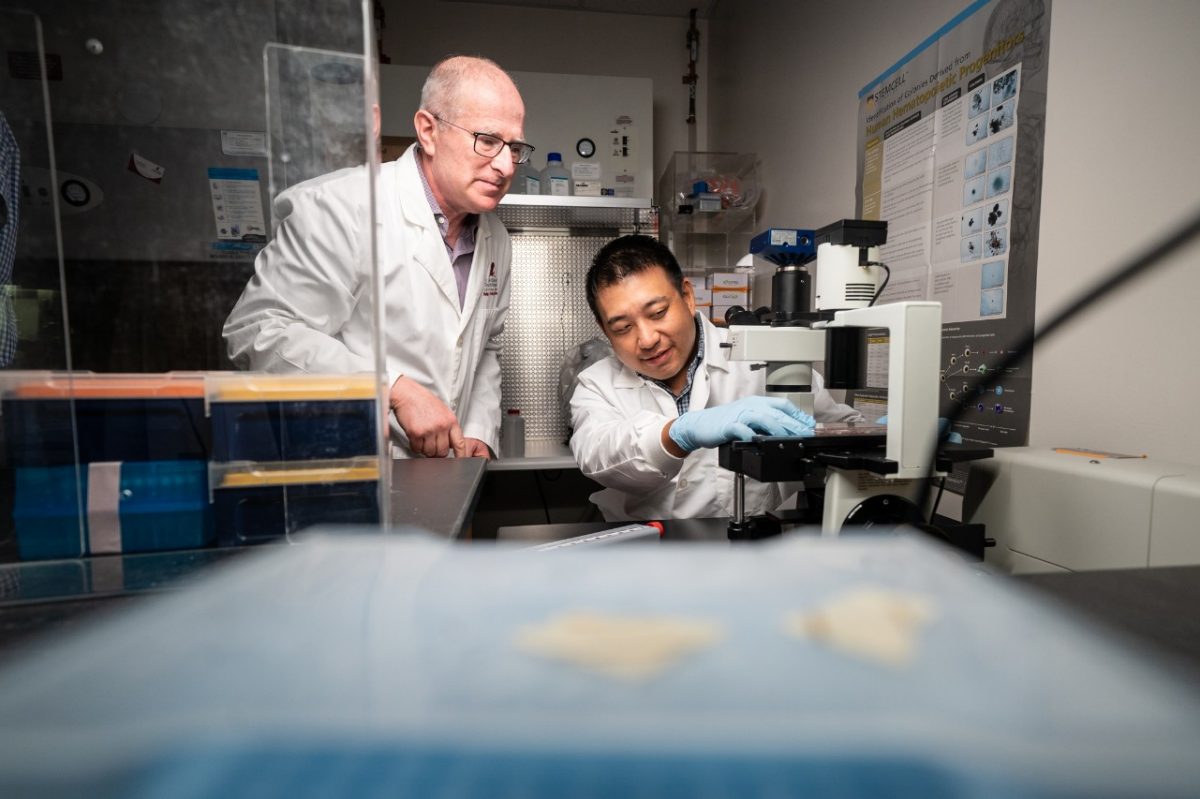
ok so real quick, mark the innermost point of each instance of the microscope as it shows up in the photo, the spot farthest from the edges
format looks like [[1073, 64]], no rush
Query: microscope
[[873, 473]]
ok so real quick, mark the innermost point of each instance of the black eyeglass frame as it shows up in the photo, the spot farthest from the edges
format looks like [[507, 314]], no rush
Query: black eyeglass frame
[[521, 151]]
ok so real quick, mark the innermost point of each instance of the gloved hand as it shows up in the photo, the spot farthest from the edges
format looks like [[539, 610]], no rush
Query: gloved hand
[[944, 431], [739, 421]]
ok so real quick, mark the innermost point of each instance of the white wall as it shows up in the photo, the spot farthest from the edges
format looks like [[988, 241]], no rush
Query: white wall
[[1119, 170], [575, 42], [784, 85]]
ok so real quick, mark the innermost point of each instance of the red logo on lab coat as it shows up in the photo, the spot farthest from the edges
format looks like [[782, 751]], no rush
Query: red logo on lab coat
[[491, 286]]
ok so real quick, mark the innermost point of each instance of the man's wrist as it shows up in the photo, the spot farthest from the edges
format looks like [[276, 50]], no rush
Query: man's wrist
[[668, 443]]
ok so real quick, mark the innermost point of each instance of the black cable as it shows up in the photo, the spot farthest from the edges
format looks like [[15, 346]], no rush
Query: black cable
[[887, 275], [537, 481], [1181, 236], [937, 500]]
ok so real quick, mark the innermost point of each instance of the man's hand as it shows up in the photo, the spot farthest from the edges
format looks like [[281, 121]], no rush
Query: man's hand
[[475, 449], [431, 427], [738, 421]]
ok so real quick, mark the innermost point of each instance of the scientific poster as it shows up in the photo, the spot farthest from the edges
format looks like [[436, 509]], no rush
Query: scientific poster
[[950, 155]]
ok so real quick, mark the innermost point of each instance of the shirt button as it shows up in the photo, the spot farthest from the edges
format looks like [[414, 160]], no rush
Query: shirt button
[[682, 483]]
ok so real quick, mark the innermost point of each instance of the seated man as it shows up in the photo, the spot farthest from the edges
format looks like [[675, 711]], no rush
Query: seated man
[[647, 421]]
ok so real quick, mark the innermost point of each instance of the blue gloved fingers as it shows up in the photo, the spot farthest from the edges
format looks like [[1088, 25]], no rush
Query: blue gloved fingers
[[797, 426], [785, 406], [800, 417], [768, 423], [943, 428], [774, 423], [740, 432]]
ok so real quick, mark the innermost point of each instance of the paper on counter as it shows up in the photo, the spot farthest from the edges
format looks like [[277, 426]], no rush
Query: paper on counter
[[871, 623], [625, 647]]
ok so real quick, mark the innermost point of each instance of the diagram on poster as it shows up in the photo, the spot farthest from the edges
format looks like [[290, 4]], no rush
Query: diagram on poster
[[974, 164]]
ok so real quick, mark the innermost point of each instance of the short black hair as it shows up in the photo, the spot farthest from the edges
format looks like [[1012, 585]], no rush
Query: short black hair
[[625, 256]]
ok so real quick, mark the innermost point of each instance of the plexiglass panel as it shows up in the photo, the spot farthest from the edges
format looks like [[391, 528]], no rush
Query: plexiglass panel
[[142, 144]]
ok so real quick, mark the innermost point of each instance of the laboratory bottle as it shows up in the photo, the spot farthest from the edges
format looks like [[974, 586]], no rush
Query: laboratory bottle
[[512, 434], [556, 180], [527, 180]]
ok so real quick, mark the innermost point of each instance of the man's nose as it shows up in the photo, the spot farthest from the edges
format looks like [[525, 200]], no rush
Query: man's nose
[[647, 336], [503, 162]]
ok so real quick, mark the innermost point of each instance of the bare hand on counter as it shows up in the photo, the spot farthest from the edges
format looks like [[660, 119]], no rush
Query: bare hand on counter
[[431, 427], [476, 449]]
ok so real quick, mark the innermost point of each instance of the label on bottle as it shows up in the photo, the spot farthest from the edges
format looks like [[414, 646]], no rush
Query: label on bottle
[[560, 187], [532, 185]]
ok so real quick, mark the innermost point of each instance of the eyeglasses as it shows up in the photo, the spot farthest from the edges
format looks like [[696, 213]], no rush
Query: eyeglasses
[[489, 146]]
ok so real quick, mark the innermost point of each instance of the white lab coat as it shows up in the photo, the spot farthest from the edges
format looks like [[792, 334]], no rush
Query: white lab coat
[[308, 307], [618, 417]]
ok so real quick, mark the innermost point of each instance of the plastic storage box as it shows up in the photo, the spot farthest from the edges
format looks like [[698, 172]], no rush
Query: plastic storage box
[[256, 503], [116, 418], [162, 505], [271, 419]]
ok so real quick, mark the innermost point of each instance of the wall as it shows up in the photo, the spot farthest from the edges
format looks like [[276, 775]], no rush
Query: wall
[[1116, 176], [1119, 172], [575, 42]]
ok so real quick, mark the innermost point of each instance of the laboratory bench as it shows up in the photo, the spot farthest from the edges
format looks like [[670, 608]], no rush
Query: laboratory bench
[[395, 665], [1154, 608], [539, 454], [465, 499]]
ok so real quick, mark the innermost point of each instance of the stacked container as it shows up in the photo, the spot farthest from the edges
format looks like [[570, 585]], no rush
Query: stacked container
[[290, 452], [106, 464]]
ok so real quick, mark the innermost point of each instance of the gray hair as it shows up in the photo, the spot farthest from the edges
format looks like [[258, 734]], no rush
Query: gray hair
[[441, 94]]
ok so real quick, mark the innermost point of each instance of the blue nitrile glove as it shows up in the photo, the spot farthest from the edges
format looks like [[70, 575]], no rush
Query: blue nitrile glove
[[740, 421], [943, 427]]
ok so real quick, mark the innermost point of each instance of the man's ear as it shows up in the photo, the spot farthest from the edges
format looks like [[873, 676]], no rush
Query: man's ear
[[689, 296], [426, 126]]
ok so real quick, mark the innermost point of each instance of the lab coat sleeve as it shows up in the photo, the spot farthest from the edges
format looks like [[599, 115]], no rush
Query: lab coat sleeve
[[306, 284], [617, 449], [482, 419], [827, 409]]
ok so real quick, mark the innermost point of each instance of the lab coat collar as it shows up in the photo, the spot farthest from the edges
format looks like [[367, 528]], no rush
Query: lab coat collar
[[431, 252], [714, 353]]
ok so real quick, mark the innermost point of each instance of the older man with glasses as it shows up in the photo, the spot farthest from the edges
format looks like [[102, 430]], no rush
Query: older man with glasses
[[445, 259]]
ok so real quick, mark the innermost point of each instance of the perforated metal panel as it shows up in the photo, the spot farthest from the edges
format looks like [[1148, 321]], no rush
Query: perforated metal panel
[[553, 246], [548, 316]]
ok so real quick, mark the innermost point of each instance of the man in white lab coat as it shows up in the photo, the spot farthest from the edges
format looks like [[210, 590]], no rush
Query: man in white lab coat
[[444, 258], [647, 421]]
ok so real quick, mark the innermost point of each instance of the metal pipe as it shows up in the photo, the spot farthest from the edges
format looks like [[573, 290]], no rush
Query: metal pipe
[[739, 497]]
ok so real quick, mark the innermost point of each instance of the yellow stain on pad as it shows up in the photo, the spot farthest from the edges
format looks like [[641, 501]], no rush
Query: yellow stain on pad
[[624, 647], [871, 623]]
